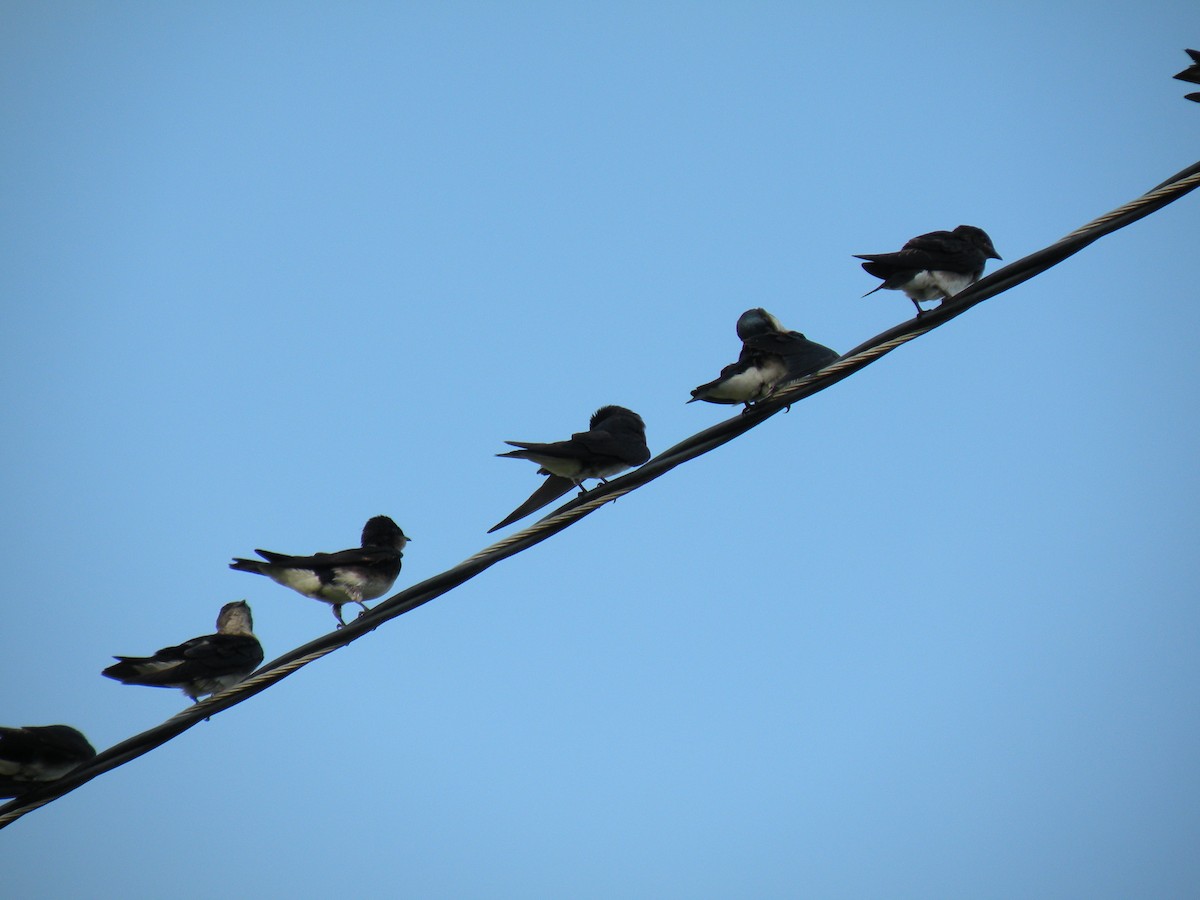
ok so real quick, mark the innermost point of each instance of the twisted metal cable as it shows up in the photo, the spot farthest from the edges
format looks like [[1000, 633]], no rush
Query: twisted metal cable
[[589, 501]]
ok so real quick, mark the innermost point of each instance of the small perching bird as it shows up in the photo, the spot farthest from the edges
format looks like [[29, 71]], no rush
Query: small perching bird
[[347, 576], [1191, 74], [615, 441], [203, 665], [34, 754], [771, 355], [933, 266]]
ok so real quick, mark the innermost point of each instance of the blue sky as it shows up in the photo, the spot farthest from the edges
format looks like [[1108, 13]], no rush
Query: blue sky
[[276, 268]]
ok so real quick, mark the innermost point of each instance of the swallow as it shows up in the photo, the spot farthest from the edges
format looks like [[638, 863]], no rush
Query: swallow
[[770, 356], [39, 753], [933, 266], [203, 665], [347, 576], [615, 441], [1191, 74]]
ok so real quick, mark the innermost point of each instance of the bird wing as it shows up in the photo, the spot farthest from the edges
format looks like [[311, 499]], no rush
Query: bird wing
[[755, 347], [53, 743], [208, 656], [1192, 72], [616, 439], [356, 556], [221, 654], [937, 250], [800, 355], [554, 449], [586, 446], [550, 490], [937, 242], [603, 445]]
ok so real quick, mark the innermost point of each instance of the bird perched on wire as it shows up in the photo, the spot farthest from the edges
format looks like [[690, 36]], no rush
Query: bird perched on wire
[[1191, 74], [933, 266], [347, 576], [203, 665], [35, 754], [771, 355], [615, 441]]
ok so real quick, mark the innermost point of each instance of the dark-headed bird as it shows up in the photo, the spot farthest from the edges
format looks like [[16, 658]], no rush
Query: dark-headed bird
[[203, 665], [615, 441], [933, 266], [771, 355], [347, 576], [1191, 74], [35, 754]]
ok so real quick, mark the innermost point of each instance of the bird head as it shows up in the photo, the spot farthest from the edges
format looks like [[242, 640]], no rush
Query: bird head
[[755, 322], [979, 238], [235, 618], [381, 531]]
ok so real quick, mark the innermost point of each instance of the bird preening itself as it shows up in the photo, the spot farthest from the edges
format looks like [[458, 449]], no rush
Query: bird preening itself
[[615, 441], [35, 754], [771, 355], [933, 266], [347, 576], [203, 665]]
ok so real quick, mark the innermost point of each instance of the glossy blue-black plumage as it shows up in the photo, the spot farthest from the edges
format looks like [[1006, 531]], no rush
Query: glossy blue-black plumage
[[202, 665], [346, 576], [615, 441], [771, 355], [933, 266], [1191, 74], [35, 754]]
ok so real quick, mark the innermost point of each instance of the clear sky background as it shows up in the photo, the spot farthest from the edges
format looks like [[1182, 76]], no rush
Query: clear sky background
[[274, 268]]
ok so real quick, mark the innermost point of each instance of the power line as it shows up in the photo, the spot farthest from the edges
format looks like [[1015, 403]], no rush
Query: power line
[[566, 515]]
